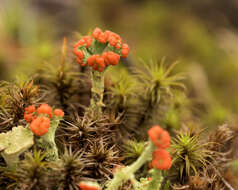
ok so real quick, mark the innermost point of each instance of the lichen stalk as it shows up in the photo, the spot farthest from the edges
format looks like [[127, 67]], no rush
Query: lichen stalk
[[96, 102], [47, 141], [127, 173], [156, 180]]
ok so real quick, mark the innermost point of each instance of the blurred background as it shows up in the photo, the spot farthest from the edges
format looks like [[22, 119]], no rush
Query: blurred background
[[201, 35]]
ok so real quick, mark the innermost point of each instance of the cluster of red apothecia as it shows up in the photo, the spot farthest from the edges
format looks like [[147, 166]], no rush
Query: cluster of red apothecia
[[100, 50], [161, 139], [39, 118], [88, 186]]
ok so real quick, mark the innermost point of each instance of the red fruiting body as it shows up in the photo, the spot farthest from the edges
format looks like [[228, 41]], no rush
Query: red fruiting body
[[159, 137], [100, 69], [88, 40], [116, 36], [124, 53], [106, 61], [95, 67], [97, 62], [107, 33], [59, 112], [96, 32], [161, 159], [91, 60], [87, 186], [79, 53], [165, 140], [113, 58], [45, 109], [29, 117], [125, 50], [80, 61], [125, 46], [108, 54], [112, 40], [75, 51], [30, 109], [102, 38], [100, 61], [40, 126], [79, 43], [118, 46]]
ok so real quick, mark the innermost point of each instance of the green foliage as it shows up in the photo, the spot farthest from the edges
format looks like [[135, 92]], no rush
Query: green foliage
[[132, 150], [171, 118], [60, 81], [70, 167], [14, 98], [218, 115], [33, 172], [176, 110], [156, 85], [188, 153], [157, 80], [101, 159], [122, 90]]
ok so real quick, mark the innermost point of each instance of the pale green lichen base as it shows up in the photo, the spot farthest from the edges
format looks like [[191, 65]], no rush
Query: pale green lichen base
[[47, 141], [124, 174], [14, 143], [156, 180], [145, 184], [96, 102], [128, 173]]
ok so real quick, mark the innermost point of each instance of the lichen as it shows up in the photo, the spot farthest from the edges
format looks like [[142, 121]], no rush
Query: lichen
[[14, 143]]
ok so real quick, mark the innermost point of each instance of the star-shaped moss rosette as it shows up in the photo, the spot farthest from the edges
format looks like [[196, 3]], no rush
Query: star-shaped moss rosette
[[43, 122], [99, 51], [14, 143]]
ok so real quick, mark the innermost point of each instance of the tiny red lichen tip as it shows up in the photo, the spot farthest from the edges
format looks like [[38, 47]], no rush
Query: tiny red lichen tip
[[59, 112], [159, 137], [161, 159], [45, 109], [40, 126]]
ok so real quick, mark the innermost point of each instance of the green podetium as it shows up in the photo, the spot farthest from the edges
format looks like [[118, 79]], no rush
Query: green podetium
[[14, 143], [47, 141]]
